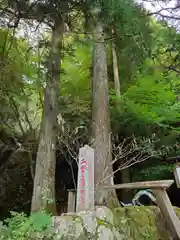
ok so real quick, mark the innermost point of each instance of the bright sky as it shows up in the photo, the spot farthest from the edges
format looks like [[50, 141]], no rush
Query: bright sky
[[157, 5]]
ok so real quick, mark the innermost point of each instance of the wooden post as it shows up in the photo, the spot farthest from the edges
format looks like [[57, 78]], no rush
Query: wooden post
[[85, 188], [177, 175], [168, 212], [71, 201]]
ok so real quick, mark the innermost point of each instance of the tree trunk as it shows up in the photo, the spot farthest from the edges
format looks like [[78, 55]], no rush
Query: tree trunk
[[116, 71], [101, 121], [44, 181], [125, 174]]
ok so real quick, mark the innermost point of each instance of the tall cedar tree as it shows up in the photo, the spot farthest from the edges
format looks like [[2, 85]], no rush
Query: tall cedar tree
[[101, 132]]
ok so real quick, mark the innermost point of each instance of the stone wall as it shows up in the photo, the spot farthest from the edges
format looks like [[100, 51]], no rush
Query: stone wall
[[131, 223]]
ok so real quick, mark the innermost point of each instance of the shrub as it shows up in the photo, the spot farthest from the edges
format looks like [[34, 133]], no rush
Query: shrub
[[21, 227]]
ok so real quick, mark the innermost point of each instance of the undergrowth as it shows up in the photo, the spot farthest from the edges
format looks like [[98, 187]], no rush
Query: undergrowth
[[21, 227]]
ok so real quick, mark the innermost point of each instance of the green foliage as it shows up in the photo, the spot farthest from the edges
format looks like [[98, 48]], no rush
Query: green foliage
[[153, 101], [21, 227], [75, 84], [18, 93], [149, 105], [132, 36], [155, 172], [166, 46]]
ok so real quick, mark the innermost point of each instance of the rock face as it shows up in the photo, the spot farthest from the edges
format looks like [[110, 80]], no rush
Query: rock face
[[131, 223]]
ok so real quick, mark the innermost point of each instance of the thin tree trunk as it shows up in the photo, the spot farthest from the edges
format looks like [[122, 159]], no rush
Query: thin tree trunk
[[125, 174], [44, 181], [101, 120], [116, 71]]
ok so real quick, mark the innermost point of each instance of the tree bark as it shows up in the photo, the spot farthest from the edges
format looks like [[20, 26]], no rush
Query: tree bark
[[101, 120], [44, 181]]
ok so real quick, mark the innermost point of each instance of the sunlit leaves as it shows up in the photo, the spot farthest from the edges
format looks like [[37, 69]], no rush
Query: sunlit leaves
[[75, 83], [17, 77]]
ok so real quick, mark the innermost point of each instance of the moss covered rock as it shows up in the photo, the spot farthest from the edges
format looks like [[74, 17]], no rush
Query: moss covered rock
[[140, 223]]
